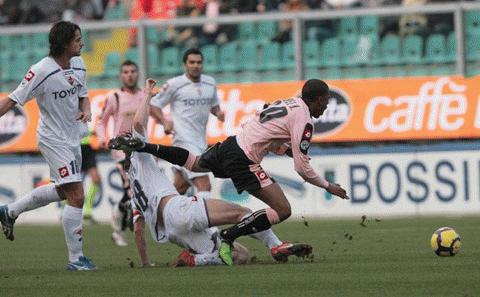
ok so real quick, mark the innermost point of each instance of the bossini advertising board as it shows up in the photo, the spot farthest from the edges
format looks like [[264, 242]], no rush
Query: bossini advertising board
[[397, 181]]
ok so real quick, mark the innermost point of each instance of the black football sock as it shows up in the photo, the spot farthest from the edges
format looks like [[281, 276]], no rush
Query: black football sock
[[256, 222], [172, 154]]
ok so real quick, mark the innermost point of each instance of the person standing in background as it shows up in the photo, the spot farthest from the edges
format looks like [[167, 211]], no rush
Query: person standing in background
[[192, 96], [121, 105]]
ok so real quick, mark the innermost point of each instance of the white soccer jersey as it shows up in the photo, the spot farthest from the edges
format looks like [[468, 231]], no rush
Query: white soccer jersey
[[149, 185], [57, 92], [190, 105]]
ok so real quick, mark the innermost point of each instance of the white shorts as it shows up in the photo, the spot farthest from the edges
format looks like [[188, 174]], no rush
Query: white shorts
[[64, 161], [187, 174], [186, 224]]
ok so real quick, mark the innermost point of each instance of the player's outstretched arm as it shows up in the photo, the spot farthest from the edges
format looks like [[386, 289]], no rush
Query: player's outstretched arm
[[141, 116], [5, 105], [139, 230], [216, 111], [157, 114]]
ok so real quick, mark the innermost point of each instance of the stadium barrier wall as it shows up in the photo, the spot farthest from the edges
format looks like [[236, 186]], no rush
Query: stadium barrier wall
[[392, 181], [359, 110]]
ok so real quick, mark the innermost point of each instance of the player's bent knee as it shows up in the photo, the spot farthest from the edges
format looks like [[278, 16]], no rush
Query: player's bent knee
[[284, 213]]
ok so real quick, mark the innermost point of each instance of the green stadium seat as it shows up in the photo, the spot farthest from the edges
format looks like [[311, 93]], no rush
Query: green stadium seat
[[247, 55], [288, 56], [311, 54], [38, 54], [436, 49], [270, 56], [39, 40], [395, 71], [417, 71], [390, 50], [153, 57], [5, 43], [369, 25], [246, 31], [349, 51], [266, 30], [412, 49], [20, 43], [170, 60], [472, 22], [440, 70], [86, 41], [348, 26], [473, 47], [153, 35], [112, 65], [132, 55], [330, 53], [117, 12], [451, 47], [5, 71], [210, 58], [228, 57]]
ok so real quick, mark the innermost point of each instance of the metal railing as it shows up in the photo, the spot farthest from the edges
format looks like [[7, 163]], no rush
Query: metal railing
[[298, 19]]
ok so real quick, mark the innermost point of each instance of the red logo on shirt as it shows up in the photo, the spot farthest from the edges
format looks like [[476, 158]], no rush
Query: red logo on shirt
[[29, 75], [63, 172], [261, 175], [194, 198], [70, 80]]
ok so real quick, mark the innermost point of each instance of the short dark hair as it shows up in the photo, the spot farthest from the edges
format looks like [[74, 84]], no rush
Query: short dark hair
[[61, 34], [191, 51], [314, 88], [128, 63]]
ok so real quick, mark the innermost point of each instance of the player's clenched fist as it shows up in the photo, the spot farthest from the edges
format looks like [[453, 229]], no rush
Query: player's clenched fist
[[337, 190]]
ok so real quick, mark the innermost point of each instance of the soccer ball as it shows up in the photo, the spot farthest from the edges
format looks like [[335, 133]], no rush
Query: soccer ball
[[445, 242]]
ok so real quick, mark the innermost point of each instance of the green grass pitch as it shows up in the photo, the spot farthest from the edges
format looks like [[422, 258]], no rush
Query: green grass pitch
[[390, 257]]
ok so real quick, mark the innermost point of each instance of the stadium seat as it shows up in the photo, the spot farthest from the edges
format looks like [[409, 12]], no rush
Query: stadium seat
[[472, 22], [270, 56], [228, 57], [210, 58], [5, 42], [117, 12], [353, 72], [38, 54], [330, 53], [20, 43], [288, 56], [348, 26], [441, 70], [247, 55], [112, 65], [390, 50], [266, 30], [153, 59], [370, 72], [473, 47], [331, 73], [412, 49], [311, 54], [169, 61], [132, 54], [451, 47], [39, 40], [349, 51], [246, 31], [369, 25], [436, 49]]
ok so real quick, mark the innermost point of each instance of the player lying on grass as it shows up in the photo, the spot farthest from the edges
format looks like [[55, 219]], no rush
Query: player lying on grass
[[285, 126], [185, 221]]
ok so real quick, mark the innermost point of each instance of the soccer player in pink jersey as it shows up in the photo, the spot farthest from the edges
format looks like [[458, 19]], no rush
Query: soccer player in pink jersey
[[284, 127], [121, 105]]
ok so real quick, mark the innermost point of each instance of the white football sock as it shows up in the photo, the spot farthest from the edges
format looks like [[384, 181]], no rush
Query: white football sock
[[267, 237], [39, 197], [72, 227], [208, 259], [204, 194], [117, 216]]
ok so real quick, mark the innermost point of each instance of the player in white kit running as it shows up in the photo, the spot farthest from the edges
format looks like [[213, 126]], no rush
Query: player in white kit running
[[192, 96], [185, 221], [58, 82]]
